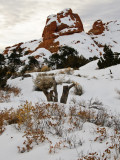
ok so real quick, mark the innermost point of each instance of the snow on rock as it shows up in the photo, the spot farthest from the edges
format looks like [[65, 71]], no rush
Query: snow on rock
[[110, 36], [60, 21], [63, 23]]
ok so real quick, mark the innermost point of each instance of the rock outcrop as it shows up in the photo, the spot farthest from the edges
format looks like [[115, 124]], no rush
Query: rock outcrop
[[97, 28], [64, 23]]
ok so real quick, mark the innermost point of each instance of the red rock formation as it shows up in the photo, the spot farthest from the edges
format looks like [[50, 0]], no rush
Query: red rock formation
[[98, 28], [64, 23]]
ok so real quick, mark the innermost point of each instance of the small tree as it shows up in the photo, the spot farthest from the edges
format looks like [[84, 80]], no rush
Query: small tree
[[32, 63], [14, 60], [4, 75], [109, 58], [48, 85], [2, 59]]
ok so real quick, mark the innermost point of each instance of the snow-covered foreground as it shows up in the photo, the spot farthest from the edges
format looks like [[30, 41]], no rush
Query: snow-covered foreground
[[98, 85]]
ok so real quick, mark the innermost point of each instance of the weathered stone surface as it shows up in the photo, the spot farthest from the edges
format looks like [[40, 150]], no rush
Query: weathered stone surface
[[64, 23], [98, 28]]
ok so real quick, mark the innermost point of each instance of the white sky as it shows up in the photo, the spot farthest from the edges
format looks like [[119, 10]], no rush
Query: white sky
[[24, 20]]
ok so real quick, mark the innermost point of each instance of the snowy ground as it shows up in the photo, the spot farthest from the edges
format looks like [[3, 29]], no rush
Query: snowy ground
[[96, 84]]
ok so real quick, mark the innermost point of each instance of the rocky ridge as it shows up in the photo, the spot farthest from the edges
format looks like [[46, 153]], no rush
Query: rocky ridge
[[66, 28]]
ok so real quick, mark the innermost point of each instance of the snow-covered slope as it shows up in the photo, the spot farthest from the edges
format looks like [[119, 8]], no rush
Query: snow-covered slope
[[110, 36], [98, 85], [82, 43]]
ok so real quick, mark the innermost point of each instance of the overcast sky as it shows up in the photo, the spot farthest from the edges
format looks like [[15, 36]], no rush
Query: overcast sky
[[23, 20]]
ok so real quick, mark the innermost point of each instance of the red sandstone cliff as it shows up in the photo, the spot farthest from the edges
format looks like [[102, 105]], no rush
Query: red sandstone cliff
[[63, 23]]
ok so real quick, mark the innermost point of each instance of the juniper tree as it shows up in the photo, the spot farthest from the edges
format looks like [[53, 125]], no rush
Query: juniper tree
[[108, 59], [66, 57]]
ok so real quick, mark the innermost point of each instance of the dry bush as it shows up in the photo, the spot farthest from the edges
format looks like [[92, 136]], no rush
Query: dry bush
[[7, 116], [78, 90], [45, 69], [32, 136], [57, 146], [2, 118], [6, 93], [43, 82], [16, 91], [68, 71], [112, 150], [42, 119], [79, 116], [39, 120], [47, 74], [24, 115], [4, 96]]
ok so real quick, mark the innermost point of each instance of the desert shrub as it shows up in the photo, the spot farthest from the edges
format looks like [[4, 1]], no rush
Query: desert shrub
[[78, 90], [69, 71], [45, 68], [39, 121], [7, 117], [43, 82], [24, 115], [2, 118], [6, 93]]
